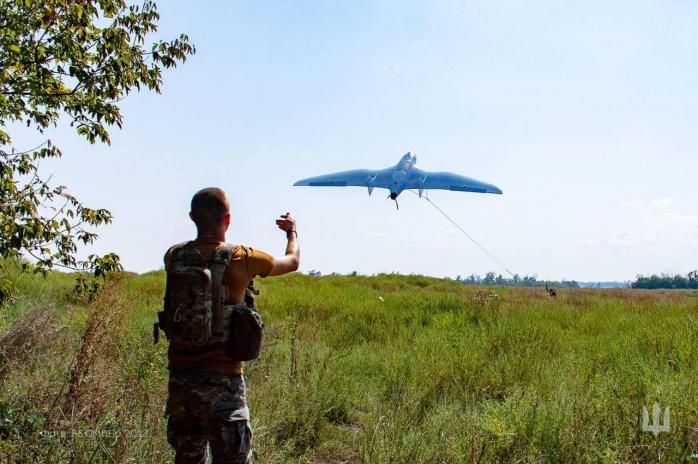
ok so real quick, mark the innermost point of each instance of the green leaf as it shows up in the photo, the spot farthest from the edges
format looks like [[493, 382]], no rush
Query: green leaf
[[38, 42]]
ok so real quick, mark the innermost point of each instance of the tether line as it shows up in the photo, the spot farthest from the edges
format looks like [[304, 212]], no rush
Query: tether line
[[466, 234]]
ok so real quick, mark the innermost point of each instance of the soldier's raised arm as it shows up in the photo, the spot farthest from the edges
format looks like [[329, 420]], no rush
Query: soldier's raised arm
[[291, 260]]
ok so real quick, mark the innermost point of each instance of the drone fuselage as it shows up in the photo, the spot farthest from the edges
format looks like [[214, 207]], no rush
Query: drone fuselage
[[404, 175]]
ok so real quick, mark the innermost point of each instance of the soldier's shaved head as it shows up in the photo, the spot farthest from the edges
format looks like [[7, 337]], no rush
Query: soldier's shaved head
[[209, 206]]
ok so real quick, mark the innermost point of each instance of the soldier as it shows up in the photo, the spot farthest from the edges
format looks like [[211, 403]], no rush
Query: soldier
[[206, 404]]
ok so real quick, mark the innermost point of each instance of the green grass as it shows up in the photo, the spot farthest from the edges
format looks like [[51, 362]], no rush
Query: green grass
[[433, 373]]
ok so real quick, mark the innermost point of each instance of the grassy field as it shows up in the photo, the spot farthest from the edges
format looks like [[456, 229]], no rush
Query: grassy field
[[384, 369]]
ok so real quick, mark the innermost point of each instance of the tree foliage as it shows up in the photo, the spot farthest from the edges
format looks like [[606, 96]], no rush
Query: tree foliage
[[73, 61], [667, 281], [516, 281]]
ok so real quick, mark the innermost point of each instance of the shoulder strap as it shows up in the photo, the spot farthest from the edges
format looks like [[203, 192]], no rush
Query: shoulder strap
[[176, 251], [250, 290], [186, 255], [224, 252]]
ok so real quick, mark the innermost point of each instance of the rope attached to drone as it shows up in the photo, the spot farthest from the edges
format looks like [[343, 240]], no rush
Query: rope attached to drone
[[466, 234]]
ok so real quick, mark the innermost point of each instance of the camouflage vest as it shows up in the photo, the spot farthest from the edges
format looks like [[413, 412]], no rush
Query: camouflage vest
[[195, 317]]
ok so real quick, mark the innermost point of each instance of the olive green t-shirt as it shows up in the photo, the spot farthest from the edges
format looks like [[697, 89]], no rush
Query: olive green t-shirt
[[245, 264]]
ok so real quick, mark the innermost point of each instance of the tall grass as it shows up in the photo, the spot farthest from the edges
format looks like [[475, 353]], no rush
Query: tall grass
[[384, 369]]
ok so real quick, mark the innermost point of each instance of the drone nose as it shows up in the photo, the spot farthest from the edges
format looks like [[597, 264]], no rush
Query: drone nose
[[393, 195]]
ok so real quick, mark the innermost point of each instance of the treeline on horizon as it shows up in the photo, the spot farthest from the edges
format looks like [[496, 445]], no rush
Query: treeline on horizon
[[516, 281], [490, 279], [655, 281]]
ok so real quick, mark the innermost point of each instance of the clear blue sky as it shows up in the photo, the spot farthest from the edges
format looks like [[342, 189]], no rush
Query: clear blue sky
[[584, 114]]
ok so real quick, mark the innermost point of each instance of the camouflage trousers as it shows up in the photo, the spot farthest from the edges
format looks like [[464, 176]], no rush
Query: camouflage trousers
[[205, 408]]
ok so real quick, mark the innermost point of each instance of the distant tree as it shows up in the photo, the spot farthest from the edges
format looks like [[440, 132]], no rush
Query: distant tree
[[666, 281], [74, 60], [515, 281], [680, 281], [693, 279]]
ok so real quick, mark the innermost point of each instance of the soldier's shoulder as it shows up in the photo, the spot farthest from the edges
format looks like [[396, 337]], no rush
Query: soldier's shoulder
[[176, 246], [170, 251], [236, 250], [233, 247], [243, 250]]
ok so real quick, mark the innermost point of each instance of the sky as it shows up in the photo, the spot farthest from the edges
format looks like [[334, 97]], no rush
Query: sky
[[583, 113]]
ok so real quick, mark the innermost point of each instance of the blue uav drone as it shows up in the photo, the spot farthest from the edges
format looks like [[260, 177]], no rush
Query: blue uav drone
[[403, 176]]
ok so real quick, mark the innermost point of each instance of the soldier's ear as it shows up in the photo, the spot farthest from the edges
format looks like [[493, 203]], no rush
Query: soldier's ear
[[226, 219], [190, 216]]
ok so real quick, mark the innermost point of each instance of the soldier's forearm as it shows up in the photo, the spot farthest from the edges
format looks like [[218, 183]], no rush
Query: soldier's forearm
[[292, 247]]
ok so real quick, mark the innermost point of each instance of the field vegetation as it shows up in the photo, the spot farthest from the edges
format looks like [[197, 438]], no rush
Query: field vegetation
[[356, 369]]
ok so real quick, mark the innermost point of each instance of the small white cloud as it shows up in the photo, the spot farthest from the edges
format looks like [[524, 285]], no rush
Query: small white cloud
[[625, 240], [371, 233], [659, 225], [657, 204], [683, 225]]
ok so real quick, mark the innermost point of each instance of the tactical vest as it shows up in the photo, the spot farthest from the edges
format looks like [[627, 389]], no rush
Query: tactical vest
[[195, 318]]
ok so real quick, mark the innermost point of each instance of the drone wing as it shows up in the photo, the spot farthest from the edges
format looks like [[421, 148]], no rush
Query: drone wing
[[455, 182], [356, 178]]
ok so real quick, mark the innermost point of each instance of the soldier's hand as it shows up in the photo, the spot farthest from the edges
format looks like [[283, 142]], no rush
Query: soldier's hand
[[286, 222]]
